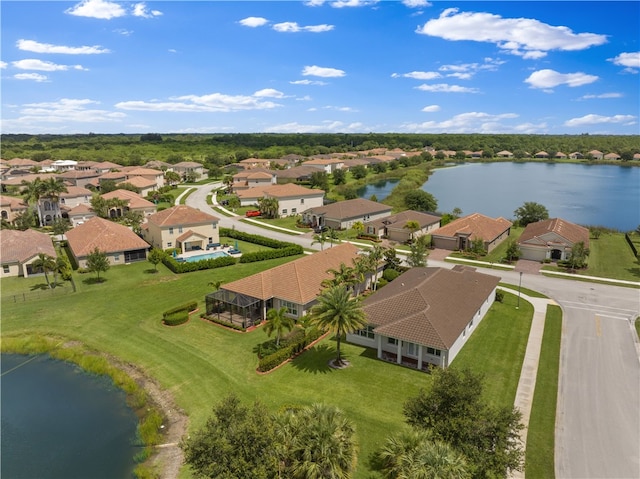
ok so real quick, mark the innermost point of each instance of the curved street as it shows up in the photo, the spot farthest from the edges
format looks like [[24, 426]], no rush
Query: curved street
[[598, 409]]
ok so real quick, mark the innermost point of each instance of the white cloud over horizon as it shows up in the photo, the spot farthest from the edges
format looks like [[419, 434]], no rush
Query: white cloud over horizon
[[324, 72], [593, 119], [548, 78], [41, 65], [214, 102], [37, 77], [446, 88], [37, 47]]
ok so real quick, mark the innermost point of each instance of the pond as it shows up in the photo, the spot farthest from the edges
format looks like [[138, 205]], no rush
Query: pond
[[60, 422]]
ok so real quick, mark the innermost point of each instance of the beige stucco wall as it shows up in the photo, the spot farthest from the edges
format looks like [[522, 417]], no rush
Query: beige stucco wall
[[163, 238], [14, 270], [299, 204]]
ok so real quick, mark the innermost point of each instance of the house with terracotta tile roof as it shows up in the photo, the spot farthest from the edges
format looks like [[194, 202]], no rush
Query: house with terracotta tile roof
[[596, 154], [143, 185], [252, 178], [576, 155], [296, 173], [460, 233], [328, 165], [394, 228], [343, 214], [134, 203], [149, 174], [80, 178], [612, 156], [251, 163], [504, 154], [120, 244], [11, 207], [79, 214], [185, 167], [19, 249], [541, 154], [426, 315], [181, 227], [294, 285], [49, 209], [551, 239], [99, 167], [292, 198]]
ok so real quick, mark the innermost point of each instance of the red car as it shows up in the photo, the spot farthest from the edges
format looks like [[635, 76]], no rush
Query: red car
[[252, 213]]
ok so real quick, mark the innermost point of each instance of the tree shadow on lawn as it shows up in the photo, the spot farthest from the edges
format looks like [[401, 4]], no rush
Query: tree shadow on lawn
[[315, 360], [151, 271], [635, 271], [40, 286], [94, 280]]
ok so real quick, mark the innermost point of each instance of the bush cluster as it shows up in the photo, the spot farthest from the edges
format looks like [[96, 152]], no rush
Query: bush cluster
[[226, 324], [186, 267], [273, 360], [179, 314], [291, 250], [256, 239]]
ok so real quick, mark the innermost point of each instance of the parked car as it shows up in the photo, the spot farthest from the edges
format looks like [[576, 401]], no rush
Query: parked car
[[252, 213]]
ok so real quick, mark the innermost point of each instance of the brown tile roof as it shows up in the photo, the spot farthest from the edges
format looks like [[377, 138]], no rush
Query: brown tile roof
[[188, 164], [139, 182], [399, 220], [107, 236], [298, 281], [429, 306], [113, 175], [254, 173], [534, 232], [75, 174], [475, 226], [181, 215], [76, 191], [344, 210], [17, 181], [140, 171], [20, 246], [13, 203], [134, 199], [22, 162], [80, 209], [297, 172], [287, 190]]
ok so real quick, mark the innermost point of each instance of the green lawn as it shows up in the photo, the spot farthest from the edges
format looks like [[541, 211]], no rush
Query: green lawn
[[500, 251], [539, 462], [611, 257], [199, 363]]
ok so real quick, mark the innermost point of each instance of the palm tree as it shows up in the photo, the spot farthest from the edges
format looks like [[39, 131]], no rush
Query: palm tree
[[414, 455], [320, 238], [215, 284], [412, 226], [32, 191], [278, 321], [333, 236], [360, 269], [46, 263], [343, 275], [319, 443], [338, 313], [376, 254], [269, 207]]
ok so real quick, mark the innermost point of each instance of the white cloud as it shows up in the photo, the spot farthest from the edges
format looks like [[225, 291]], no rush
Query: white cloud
[[446, 88], [122, 31], [416, 3], [37, 77], [471, 122], [141, 10], [294, 27], [431, 108], [268, 93], [101, 9], [598, 119], [37, 47], [34, 64], [601, 95], [524, 37], [550, 78], [307, 82], [353, 3], [3, 65], [64, 111], [205, 103], [339, 108], [630, 60], [418, 75], [314, 3], [253, 22], [322, 72], [328, 126]]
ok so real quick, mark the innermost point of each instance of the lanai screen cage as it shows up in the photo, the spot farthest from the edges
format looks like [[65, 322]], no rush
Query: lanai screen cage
[[235, 308]]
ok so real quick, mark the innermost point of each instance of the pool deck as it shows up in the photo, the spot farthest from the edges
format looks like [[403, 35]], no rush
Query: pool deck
[[199, 252]]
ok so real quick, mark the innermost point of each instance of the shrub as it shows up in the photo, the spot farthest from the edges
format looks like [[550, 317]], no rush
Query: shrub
[[226, 324], [256, 239], [499, 296], [176, 318], [271, 254], [186, 267], [188, 307], [390, 274]]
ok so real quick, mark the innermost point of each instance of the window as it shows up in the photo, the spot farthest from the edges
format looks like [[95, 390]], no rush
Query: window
[[367, 332], [116, 257], [284, 211], [170, 231], [302, 201], [412, 349], [169, 244], [479, 312], [214, 225], [5, 268], [292, 308], [294, 210], [433, 351], [471, 324], [392, 341], [179, 229]]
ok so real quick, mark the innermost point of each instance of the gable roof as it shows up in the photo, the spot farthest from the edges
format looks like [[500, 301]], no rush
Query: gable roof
[[298, 281], [355, 208], [135, 200], [399, 220], [475, 226], [13, 202], [75, 192], [286, 190], [139, 182], [20, 246], [181, 215], [429, 306], [534, 232], [107, 236]]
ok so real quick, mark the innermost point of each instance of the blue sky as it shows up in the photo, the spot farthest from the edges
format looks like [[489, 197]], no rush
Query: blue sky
[[345, 66]]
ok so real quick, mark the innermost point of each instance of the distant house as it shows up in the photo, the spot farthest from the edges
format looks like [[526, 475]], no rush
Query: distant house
[[143, 185], [504, 154], [612, 156], [541, 154], [343, 214], [328, 165], [79, 214], [426, 315], [155, 176], [292, 198], [19, 249], [11, 207], [134, 203], [394, 227], [251, 163], [576, 155], [50, 210], [185, 167], [596, 155], [296, 173], [99, 167], [120, 244], [64, 165], [294, 286], [244, 180], [460, 233], [181, 227], [560, 155], [551, 239], [80, 178]]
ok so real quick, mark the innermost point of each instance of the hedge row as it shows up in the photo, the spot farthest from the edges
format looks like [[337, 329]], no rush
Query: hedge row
[[256, 239], [191, 306], [186, 267], [280, 356], [176, 318], [227, 324], [291, 250]]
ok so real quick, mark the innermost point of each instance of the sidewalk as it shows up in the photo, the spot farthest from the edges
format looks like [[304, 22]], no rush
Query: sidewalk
[[529, 371]]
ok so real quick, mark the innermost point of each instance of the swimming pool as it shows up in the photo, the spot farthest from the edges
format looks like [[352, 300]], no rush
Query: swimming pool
[[200, 257]]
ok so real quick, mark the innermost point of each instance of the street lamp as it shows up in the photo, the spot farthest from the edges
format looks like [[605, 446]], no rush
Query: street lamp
[[519, 286]]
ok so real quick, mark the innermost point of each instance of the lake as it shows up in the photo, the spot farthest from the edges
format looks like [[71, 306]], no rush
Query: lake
[[60, 422], [604, 195]]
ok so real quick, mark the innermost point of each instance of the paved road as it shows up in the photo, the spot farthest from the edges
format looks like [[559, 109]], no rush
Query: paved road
[[598, 417]]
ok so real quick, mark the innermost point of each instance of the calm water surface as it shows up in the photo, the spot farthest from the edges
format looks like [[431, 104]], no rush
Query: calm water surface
[[59, 422], [605, 195]]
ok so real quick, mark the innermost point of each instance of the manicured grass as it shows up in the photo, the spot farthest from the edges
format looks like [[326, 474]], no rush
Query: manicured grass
[[200, 363], [539, 461], [611, 257], [289, 222], [500, 251], [497, 349]]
